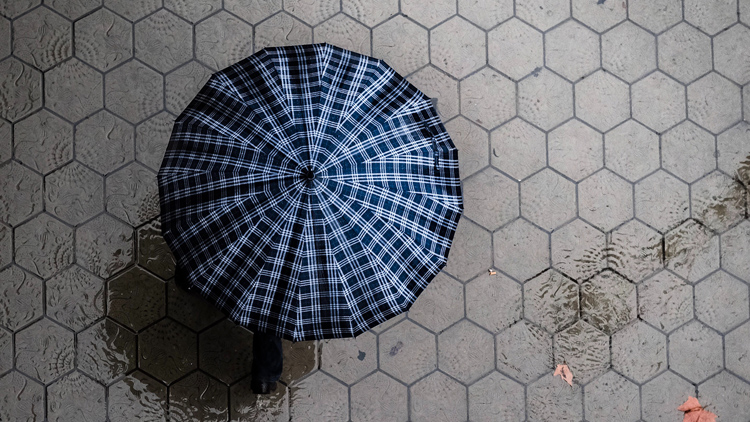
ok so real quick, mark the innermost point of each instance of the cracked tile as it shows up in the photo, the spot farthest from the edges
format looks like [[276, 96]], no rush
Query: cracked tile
[[600, 15], [349, 359], [106, 351], [167, 351], [75, 396], [518, 149], [344, 32], [578, 250], [470, 251], [75, 298], [684, 53], [547, 199], [435, 84], [135, 299], [635, 251], [20, 89], [305, 403], [692, 343], [639, 351], [44, 350], [137, 397], [691, 251], [610, 397], [658, 101], [104, 142], [74, 193], [543, 14], [572, 50], [551, 300], [631, 150], [377, 398], [688, 151], [545, 99], [163, 41], [655, 15], [401, 44], [718, 201], [487, 98], [711, 18], [661, 201], [457, 47], [370, 12], [515, 48], [628, 52], [134, 91], [714, 102], [222, 39], [575, 149], [43, 141], [521, 250], [665, 301], [440, 305], [605, 200], [407, 352], [493, 302], [44, 245], [524, 351]]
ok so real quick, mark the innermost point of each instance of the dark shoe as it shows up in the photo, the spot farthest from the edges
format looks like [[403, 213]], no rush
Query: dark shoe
[[262, 387]]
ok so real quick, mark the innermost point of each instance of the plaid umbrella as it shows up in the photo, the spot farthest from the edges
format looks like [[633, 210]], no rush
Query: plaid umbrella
[[310, 192]]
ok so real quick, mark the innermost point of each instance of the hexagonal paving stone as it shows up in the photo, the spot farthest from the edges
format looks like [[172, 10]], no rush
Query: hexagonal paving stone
[[20, 89], [714, 102], [684, 53], [181, 85], [132, 194], [44, 245], [349, 359], [133, 9], [493, 301], [73, 10], [691, 343], [691, 251], [44, 350], [487, 98], [655, 15], [137, 397], [543, 14], [400, 43], [252, 407], [369, 12], [153, 252], [305, 402], [521, 250], [43, 141], [466, 351], [470, 252], [104, 246], [585, 349], [515, 48], [545, 99], [524, 351], [734, 246], [737, 349], [103, 39], [299, 360], [24, 397], [729, 396], [631, 150], [575, 149], [721, 301], [163, 41], [20, 193], [377, 398], [6, 245], [189, 309], [344, 32], [578, 250], [496, 397], [547, 199], [226, 351], [75, 298], [711, 18], [717, 201], [428, 14], [549, 399], [281, 29], [472, 141], [312, 12], [551, 300], [106, 351], [661, 201], [457, 47], [440, 305], [604, 101], [75, 396], [634, 250], [744, 11], [134, 91], [193, 10], [73, 90], [74, 193], [605, 200], [104, 142], [628, 52], [438, 398], [734, 151], [20, 297], [665, 301], [5, 32], [42, 38], [167, 350], [610, 397], [688, 151], [662, 395], [407, 352], [572, 50], [222, 39], [639, 351], [599, 16], [746, 94], [608, 302], [436, 84], [6, 149], [136, 299], [658, 101], [485, 14], [518, 149], [490, 199]]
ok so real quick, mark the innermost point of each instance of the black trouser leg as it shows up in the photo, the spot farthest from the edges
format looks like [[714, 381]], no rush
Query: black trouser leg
[[267, 357]]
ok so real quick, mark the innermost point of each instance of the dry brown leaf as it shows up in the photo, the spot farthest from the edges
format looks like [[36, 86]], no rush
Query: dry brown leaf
[[694, 412], [564, 373]]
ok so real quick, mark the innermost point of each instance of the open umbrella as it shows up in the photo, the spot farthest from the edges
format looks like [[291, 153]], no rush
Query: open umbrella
[[310, 192]]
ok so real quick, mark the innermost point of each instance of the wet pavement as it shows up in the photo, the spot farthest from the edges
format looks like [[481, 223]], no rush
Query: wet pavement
[[605, 159]]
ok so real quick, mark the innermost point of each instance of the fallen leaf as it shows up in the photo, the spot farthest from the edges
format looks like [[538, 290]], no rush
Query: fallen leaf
[[492, 272], [694, 412], [564, 372]]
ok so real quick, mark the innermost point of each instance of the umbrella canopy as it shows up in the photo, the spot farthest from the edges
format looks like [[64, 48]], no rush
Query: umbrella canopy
[[310, 192]]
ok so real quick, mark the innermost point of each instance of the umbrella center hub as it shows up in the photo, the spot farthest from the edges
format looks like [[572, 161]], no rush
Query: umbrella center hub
[[308, 174]]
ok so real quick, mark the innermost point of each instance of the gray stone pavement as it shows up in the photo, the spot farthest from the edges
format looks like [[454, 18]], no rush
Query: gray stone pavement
[[606, 167]]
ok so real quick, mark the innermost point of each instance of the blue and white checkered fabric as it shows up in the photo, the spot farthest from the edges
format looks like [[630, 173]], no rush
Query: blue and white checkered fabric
[[310, 192]]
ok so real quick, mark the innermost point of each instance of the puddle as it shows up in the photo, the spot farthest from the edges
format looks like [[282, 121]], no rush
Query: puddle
[[299, 359]]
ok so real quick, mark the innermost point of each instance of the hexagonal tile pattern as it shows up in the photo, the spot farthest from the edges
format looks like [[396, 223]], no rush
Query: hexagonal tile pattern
[[515, 48], [21, 299], [104, 142], [661, 201], [639, 351], [132, 194], [721, 301], [153, 252], [44, 245], [312, 12], [193, 11], [694, 342], [223, 39], [304, 402], [518, 149], [20, 193], [167, 350], [744, 11], [43, 141], [457, 47], [73, 90], [5, 32], [634, 250], [134, 91], [377, 398], [603, 101], [688, 151], [714, 102], [600, 16], [472, 141], [401, 43], [299, 360], [23, 397], [658, 101], [486, 14], [549, 399], [734, 151], [572, 50], [349, 359], [547, 199], [440, 305], [344, 32], [163, 41], [655, 15], [605, 200], [628, 52], [75, 298], [20, 89], [438, 397], [407, 352], [608, 302], [587, 361], [717, 201], [73, 10], [665, 301], [578, 250], [181, 85], [734, 244], [106, 351], [729, 396], [543, 14], [465, 352], [281, 29], [6, 149], [545, 99], [493, 301], [490, 198], [136, 299], [662, 395], [369, 12], [551, 300], [631, 150], [252, 11], [428, 14], [575, 149], [487, 98], [104, 246], [470, 252], [190, 310], [74, 193], [524, 351], [610, 397], [137, 397], [6, 245], [436, 84], [133, 10], [737, 350], [44, 350], [244, 405], [496, 396], [42, 38], [103, 39], [75, 396], [521, 250], [684, 53], [691, 250], [225, 351], [711, 18]]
